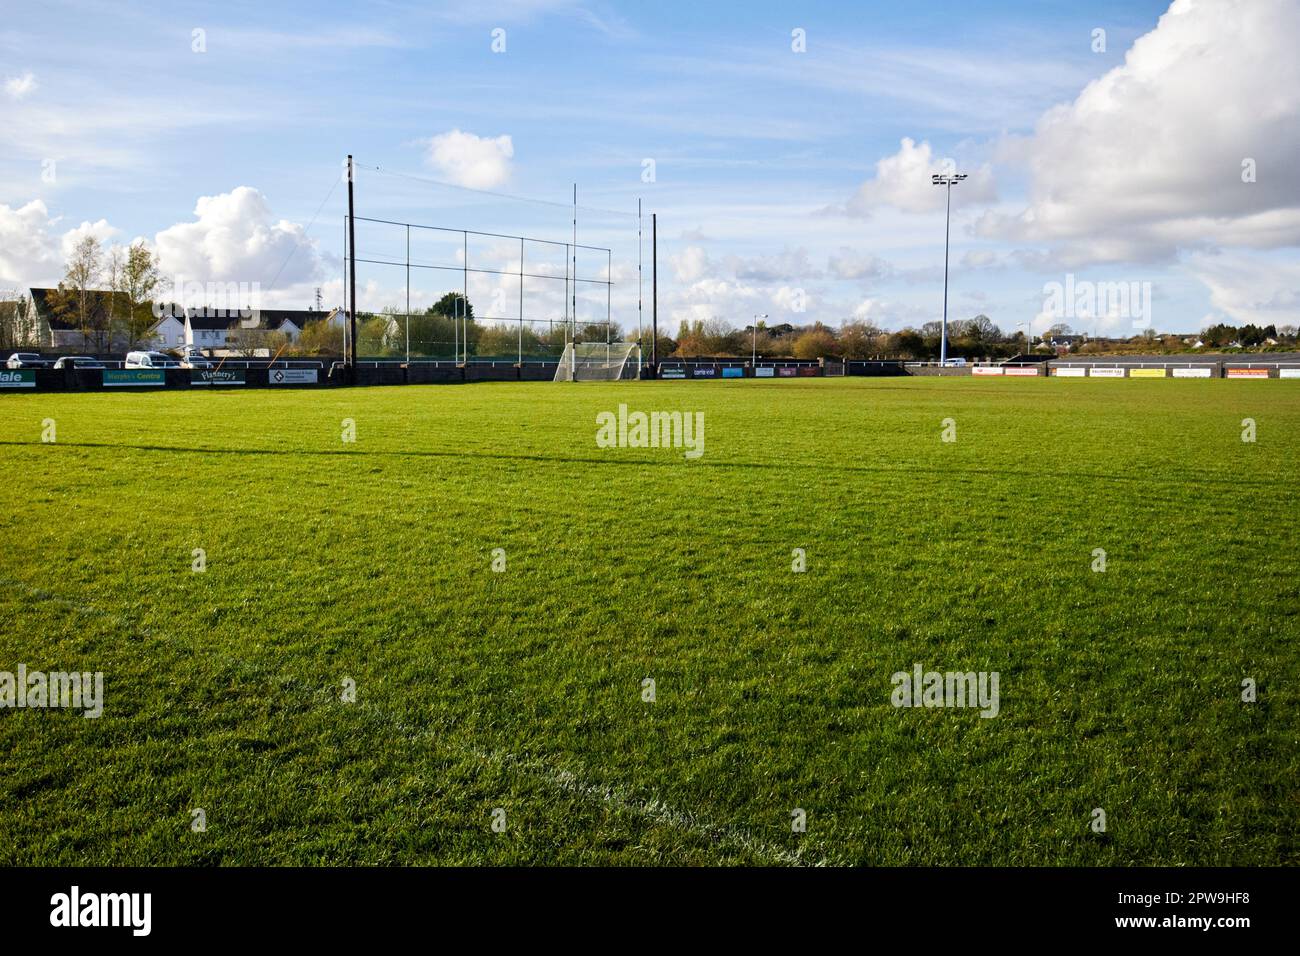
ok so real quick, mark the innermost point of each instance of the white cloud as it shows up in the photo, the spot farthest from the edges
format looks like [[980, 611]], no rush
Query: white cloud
[[235, 239], [691, 264], [903, 181], [1250, 289], [19, 86], [789, 265], [1147, 160], [29, 250], [848, 264], [469, 160], [100, 229]]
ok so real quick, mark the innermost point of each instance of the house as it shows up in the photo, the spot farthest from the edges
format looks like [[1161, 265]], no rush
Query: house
[[57, 326], [214, 328]]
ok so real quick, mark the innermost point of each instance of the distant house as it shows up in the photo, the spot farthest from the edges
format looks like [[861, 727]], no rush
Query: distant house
[[214, 328], [58, 329]]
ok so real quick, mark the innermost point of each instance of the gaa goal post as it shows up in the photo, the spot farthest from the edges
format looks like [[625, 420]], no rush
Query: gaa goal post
[[598, 362]]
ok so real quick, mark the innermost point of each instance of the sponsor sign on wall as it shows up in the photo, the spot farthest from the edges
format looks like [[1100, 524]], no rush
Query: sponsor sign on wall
[[133, 376], [987, 370], [809, 371], [1193, 373], [1022, 370], [211, 376], [703, 371], [1070, 372], [1105, 373], [292, 376], [732, 371], [1247, 373], [1288, 373], [17, 378], [672, 373], [764, 371], [1146, 373], [785, 372]]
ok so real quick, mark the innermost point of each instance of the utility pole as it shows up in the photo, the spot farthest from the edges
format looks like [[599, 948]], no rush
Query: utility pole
[[352, 272]]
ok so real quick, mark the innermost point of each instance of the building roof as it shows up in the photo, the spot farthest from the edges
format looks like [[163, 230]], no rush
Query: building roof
[[269, 319]]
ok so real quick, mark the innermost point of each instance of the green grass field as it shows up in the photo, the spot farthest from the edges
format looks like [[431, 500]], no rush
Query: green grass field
[[522, 690]]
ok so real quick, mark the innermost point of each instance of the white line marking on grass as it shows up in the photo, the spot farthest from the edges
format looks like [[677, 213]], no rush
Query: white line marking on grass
[[654, 810], [618, 797]]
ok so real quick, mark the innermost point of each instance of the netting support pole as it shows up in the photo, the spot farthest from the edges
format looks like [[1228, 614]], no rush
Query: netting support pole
[[352, 269], [521, 301], [464, 309], [640, 332], [408, 293]]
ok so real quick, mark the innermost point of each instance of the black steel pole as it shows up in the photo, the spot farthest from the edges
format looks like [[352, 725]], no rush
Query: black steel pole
[[352, 273], [654, 295]]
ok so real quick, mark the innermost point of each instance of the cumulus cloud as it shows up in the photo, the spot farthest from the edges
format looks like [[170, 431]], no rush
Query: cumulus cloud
[[234, 238], [29, 249], [903, 181], [691, 264], [786, 266], [100, 229], [19, 86], [1249, 289], [848, 264], [1148, 159], [469, 160]]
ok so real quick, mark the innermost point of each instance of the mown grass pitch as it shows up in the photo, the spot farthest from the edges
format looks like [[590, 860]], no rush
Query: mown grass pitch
[[522, 690]]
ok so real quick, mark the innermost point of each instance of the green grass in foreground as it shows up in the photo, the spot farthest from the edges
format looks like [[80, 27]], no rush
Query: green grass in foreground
[[522, 690]]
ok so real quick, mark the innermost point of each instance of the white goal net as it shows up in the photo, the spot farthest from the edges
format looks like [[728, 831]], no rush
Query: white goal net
[[598, 362]]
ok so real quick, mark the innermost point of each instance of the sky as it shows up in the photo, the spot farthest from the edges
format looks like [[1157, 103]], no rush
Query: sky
[[786, 150]]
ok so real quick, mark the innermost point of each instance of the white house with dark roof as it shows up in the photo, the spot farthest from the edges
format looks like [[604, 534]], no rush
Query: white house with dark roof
[[56, 329], [211, 328]]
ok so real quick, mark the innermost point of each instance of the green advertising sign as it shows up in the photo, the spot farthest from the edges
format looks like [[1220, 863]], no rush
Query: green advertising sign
[[17, 378], [133, 376]]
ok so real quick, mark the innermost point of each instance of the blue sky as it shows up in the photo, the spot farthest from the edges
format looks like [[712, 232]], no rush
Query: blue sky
[[782, 179]]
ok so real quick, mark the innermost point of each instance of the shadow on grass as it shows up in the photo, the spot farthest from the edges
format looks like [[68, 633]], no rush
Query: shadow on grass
[[675, 462]]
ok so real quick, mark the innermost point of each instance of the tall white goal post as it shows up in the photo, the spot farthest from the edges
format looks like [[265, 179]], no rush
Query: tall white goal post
[[598, 362]]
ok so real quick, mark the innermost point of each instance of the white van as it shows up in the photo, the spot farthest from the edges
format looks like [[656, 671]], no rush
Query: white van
[[150, 360]]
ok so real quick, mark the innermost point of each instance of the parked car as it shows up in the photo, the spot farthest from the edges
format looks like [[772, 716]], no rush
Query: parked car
[[955, 363], [78, 361], [150, 360], [27, 360], [191, 357]]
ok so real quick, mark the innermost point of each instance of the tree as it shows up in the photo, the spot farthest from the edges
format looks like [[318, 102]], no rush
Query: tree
[[320, 338], [135, 280], [75, 300], [816, 342], [17, 320], [909, 343], [859, 340], [453, 304], [248, 342]]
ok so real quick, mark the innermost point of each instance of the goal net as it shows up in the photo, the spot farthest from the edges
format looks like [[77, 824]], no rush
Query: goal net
[[598, 362]]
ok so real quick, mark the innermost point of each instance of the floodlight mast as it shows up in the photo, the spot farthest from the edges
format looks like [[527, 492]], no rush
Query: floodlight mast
[[753, 355], [948, 180]]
